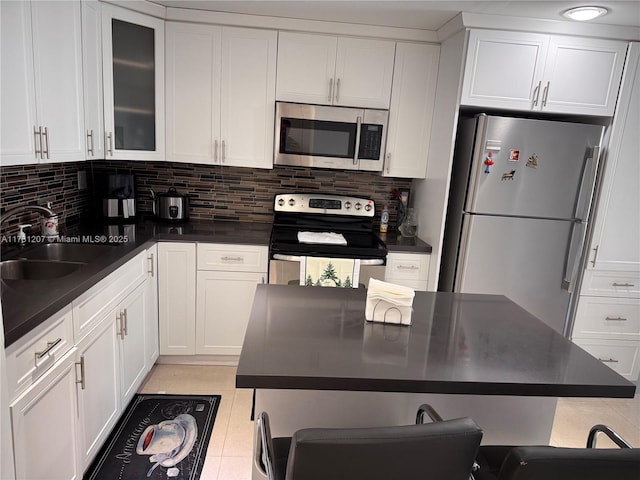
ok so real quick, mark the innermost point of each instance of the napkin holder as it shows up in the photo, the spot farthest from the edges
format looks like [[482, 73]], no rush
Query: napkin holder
[[389, 303]]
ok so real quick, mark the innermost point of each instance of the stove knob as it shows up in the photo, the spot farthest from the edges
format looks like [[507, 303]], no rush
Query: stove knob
[[358, 206], [281, 202], [367, 207], [292, 202], [347, 205]]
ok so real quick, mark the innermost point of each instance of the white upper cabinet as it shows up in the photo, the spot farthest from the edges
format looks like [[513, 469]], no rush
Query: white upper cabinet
[[220, 95], [527, 71], [133, 76], [92, 76], [329, 70], [616, 237], [42, 100], [410, 115]]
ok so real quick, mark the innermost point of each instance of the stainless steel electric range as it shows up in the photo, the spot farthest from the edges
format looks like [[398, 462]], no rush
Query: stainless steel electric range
[[323, 225]]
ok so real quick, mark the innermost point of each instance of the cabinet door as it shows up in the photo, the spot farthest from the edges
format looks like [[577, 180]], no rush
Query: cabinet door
[[412, 99], [364, 72], [504, 69], [133, 315], [92, 76], [99, 403], [133, 72], [582, 75], [177, 298], [306, 67], [223, 310], [193, 85], [617, 227], [44, 426], [151, 348], [57, 46], [247, 97], [17, 89]]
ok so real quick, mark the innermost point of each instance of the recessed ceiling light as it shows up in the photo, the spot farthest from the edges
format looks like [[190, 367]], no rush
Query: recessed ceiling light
[[582, 14]]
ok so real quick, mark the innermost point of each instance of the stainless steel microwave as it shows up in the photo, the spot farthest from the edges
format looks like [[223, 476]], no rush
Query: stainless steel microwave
[[330, 137]]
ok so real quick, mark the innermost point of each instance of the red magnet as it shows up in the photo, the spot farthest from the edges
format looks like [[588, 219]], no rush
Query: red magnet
[[488, 162]]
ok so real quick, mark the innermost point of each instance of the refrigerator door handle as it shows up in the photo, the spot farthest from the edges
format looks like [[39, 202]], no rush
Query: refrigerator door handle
[[574, 254], [587, 188], [476, 160]]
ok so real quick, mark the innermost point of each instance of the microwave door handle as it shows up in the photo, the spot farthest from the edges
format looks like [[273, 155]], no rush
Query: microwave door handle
[[357, 149]]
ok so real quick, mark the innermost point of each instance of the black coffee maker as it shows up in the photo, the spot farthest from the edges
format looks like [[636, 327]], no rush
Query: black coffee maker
[[119, 202]]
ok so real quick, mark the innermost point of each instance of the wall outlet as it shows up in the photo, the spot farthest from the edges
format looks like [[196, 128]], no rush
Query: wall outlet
[[82, 179]]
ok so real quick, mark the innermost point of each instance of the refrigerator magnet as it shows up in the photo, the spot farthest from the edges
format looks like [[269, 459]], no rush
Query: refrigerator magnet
[[532, 162], [488, 162], [514, 155]]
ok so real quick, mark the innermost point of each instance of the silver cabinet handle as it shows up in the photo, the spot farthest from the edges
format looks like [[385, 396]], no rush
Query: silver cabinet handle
[[232, 259], [263, 280], [407, 267], [615, 319], [45, 135], [110, 143], [46, 351], [82, 378], [224, 151], [37, 136], [125, 322], [329, 98], [595, 255], [609, 360], [338, 91], [150, 271], [215, 151], [90, 142], [120, 321], [614, 284], [536, 94], [388, 162], [545, 94]]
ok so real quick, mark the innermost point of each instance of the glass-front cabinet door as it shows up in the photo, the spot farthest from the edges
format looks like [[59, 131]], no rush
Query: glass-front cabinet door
[[133, 72]]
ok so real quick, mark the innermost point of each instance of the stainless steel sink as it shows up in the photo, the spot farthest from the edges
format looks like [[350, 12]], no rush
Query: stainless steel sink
[[24, 269], [67, 252]]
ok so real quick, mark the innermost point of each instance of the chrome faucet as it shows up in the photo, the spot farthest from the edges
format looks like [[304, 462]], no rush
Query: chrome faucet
[[25, 208]]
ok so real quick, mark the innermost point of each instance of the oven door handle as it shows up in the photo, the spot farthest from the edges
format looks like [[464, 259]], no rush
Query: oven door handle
[[295, 258]]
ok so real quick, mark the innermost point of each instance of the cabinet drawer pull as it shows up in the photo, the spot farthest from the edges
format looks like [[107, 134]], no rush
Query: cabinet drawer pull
[[81, 381], [150, 271], [330, 89], [224, 151], [615, 319], [109, 143], [37, 136], [622, 284], [610, 360], [232, 259], [338, 91], [595, 255], [544, 94], [536, 94], [215, 151], [125, 323], [407, 267], [120, 321], [90, 142], [45, 149], [388, 162], [50, 346]]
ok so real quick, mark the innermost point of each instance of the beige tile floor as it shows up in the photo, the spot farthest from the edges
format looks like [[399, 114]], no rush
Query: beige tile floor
[[229, 451]]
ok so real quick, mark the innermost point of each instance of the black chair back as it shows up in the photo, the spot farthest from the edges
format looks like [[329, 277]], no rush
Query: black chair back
[[435, 451]]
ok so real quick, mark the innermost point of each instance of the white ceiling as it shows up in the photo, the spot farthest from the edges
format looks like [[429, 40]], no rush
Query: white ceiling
[[419, 14]]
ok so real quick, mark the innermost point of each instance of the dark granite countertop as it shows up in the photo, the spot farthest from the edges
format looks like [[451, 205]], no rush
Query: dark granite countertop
[[26, 304], [318, 339], [397, 243]]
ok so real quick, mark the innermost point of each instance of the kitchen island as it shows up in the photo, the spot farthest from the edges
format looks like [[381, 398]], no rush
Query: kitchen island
[[313, 360]]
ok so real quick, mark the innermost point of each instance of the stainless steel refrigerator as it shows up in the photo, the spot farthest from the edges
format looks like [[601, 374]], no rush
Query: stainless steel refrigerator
[[519, 203]]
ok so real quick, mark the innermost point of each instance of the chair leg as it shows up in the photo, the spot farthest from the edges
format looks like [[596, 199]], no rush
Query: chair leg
[[264, 454], [615, 438]]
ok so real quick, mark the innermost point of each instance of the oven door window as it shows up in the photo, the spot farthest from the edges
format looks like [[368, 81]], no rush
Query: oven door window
[[318, 138]]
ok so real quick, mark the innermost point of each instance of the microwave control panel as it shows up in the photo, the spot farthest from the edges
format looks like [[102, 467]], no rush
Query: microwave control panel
[[370, 141]]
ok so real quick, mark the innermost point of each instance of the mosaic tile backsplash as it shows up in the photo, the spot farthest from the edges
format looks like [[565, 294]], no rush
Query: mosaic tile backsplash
[[216, 192]]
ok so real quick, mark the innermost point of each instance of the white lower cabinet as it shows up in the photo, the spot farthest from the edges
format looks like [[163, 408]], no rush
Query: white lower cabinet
[[204, 304], [71, 377], [44, 423], [99, 388], [408, 269], [177, 297]]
